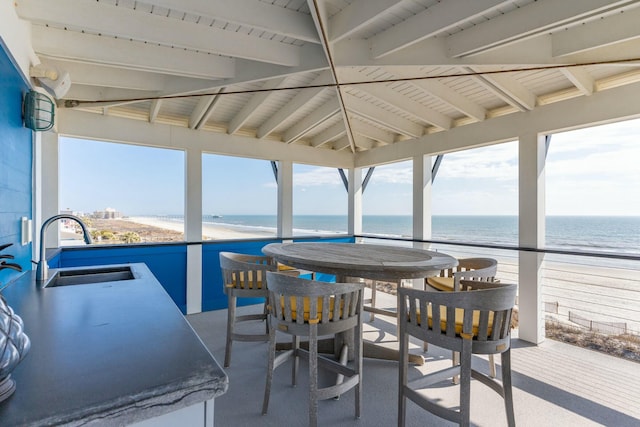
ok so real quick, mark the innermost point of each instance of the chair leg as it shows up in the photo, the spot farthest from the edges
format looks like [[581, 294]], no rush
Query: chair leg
[[374, 288], [313, 375], [231, 319], [402, 377], [505, 360], [270, 364], [265, 312], [465, 382], [357, 350], [425, 345], [492, 366], [455, 361], [295, 345]]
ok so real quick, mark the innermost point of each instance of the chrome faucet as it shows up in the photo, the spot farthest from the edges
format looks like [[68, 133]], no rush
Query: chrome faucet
[[42, 271]]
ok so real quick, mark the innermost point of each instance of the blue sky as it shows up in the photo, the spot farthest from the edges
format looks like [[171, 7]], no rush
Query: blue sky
[[593, 171]]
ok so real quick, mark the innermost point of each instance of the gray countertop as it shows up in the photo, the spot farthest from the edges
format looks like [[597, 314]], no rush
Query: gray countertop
[[105, 353]]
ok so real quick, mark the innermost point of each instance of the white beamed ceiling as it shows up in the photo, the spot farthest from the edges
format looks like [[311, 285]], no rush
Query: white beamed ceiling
[[244, 67]]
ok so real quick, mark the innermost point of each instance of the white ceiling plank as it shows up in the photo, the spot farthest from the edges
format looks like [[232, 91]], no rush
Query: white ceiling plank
[[126, 23], [264, 16], [580, 79], [363, 142], [384, 118], [355, 16], [603, 32], [433, 52], [198, 112], [94, 49], [99, 75], [452, 98], [328, 135], [110, 96], [443, 92], [385, 93], [211, 109], [253, 104], [433, 20], [297, 102], [156, 104], [247, 72], [507, 88], [416, 109], [372, 132], [528, 21], [313, 59], [342, 144], [324, 112]]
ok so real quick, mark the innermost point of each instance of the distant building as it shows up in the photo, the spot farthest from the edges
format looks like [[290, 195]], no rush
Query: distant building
[[71, 212], [108, 213]]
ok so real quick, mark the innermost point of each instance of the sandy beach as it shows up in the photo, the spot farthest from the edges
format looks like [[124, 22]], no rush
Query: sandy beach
[[209, 231]]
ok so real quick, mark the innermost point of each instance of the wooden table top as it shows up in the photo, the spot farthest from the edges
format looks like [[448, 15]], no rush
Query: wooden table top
[[379, 262]]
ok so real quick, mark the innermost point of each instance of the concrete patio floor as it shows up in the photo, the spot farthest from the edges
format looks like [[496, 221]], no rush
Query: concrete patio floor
[[555, 384]]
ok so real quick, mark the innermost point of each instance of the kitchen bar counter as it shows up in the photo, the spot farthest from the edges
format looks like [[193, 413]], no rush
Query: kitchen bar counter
[[111, 353]]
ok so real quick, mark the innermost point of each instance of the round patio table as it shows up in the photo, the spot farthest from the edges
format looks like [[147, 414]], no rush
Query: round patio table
[[376, 262]]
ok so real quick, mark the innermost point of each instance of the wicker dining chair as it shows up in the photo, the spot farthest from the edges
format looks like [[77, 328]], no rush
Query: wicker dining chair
[[244, 276], [309, 308], [473, 322]]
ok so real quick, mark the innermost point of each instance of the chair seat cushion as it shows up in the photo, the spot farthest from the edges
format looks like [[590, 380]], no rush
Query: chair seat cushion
[[306, 309], [253, 281], [441, 283], [458, 320]]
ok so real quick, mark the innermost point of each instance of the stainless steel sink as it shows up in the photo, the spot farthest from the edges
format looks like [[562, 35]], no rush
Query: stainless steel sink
[[82, 276]]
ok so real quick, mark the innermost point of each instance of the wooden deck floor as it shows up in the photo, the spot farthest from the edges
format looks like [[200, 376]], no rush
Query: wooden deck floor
[[555, 384]]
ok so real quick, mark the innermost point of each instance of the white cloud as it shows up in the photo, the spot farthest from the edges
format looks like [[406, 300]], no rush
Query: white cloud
[[310, 177]]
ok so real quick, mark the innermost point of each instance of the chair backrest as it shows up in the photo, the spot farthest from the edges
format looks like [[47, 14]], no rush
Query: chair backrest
[[334, 307], [245, 275], [483, 313], [483, 269]]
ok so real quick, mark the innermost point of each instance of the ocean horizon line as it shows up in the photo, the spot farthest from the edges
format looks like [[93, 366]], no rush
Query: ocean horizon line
[[583, 232]]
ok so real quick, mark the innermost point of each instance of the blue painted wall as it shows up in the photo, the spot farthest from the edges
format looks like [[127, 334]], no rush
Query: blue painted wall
[[15, 165]]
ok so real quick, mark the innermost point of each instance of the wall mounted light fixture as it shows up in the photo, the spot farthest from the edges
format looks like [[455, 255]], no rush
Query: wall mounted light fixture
[[38, 111]]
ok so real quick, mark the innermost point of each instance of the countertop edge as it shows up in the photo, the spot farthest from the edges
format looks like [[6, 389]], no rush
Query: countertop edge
[[131, 409]]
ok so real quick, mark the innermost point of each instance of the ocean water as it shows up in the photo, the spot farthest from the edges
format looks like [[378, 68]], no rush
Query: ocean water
[[586, 233]]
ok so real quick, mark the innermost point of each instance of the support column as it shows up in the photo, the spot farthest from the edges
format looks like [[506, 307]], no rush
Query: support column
[[193, 228], [46, 186], [285, 199], [422, 200], [354, 218], [531, 235]]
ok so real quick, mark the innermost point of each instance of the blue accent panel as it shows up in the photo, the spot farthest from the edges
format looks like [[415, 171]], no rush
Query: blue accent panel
[[15, 165], [167, 262], [54, 261], [213, 297], [346, 239]]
